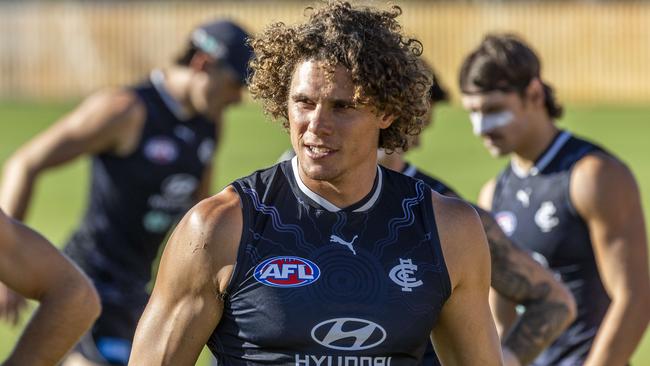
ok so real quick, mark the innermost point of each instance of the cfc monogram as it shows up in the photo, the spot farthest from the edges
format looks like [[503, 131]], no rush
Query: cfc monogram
[[403, 273]]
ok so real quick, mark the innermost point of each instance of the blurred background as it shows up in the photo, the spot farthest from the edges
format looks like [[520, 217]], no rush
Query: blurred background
[[53, 53]]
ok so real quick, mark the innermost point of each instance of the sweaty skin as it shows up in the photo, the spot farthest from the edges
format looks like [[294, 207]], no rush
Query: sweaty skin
[[30, 265]]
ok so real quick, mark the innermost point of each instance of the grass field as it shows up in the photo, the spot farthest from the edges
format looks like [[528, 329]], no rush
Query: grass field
[[250, 143]]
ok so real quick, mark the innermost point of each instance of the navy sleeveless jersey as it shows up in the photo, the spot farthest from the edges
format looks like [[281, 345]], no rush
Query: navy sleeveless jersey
[[435, 184], [134, 200], [430, 358], [319, 285], [535, 209]]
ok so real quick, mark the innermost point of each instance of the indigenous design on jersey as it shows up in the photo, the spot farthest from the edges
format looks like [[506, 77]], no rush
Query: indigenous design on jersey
[[435, 184], [535, 210], [371, 277]]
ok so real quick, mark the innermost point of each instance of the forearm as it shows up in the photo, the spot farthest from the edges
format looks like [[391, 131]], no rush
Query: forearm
[[536, 328], [16, 190], [520, 280], [63, 315], [620, 333]]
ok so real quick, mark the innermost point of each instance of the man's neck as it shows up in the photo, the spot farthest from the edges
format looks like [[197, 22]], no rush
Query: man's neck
[[345, 190], [177, 81], [393, 161], [537, 142]]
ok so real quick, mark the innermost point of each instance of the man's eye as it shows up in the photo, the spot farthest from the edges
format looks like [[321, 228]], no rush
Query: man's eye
[[344, 106], [304, 102]]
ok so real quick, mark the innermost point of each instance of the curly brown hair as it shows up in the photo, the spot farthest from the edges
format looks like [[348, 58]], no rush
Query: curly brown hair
[[384, 65]]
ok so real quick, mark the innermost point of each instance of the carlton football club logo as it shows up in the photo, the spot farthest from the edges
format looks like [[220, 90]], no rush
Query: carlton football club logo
[[287, 272]]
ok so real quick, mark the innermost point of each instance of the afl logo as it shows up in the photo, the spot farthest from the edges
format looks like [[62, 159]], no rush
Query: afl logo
[[507, 221], [161, 150], [287, 272]]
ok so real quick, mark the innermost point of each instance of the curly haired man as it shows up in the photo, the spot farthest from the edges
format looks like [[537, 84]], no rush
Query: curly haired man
[[328, 259]]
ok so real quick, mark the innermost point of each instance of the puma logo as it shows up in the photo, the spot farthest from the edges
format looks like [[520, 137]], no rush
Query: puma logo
[[523, 195], [337, 240]]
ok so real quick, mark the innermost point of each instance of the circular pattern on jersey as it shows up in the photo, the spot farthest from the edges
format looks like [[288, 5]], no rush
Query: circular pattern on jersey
[[347, 278]]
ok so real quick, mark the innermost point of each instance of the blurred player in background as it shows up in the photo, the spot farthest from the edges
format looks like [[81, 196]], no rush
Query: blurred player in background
[[152, 150], [69, 304], [338, 261], [573, 204], [515, 275]]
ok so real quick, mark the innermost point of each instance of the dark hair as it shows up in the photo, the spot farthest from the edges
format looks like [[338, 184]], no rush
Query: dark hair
[[436, 92], [504, 62], [184, 58], [384, 65]]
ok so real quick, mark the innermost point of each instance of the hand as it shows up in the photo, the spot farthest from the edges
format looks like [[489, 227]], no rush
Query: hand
[[509, 358], [11, 304]]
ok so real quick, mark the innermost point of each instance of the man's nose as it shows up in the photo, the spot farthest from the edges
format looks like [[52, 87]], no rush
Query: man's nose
[[320, 121]]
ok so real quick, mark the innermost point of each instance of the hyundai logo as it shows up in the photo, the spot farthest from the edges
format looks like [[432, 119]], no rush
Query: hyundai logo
[[348, 334]]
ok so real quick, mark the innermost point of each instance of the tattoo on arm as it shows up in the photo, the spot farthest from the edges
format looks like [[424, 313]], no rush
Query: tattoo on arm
[[513, 277]]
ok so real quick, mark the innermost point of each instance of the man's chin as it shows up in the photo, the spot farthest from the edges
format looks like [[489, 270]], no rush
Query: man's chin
[[316, 172], [496, 152]]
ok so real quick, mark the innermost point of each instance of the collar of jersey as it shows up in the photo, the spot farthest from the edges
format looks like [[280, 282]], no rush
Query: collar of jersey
[[363, 205], [409, 170], [157, 78], [545, 159]]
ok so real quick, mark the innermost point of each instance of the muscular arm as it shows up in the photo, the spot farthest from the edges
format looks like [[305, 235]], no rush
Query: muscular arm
[[68, 302], [606, 196], [105, 122], [186, 303], [465, 333], [516, 277]]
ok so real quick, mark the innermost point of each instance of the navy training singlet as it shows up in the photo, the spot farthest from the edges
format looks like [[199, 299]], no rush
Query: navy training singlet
[[535, 210], [435, 184], [134, 200], [430, 358], [318, 285]]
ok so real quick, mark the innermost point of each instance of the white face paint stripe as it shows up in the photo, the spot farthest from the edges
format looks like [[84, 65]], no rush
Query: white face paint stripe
[[486, 122]]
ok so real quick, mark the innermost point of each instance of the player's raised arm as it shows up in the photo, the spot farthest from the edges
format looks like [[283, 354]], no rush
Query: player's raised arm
[[465, 333], [68, 302], [195, 269]]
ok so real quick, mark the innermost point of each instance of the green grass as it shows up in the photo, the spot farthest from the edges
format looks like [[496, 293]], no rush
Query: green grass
[[250, 143]]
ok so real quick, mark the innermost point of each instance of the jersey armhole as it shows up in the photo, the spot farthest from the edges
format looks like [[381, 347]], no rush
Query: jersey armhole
[[436, 247], [240, 260]]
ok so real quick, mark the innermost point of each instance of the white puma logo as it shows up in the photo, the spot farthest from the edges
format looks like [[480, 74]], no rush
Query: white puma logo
[[523, 195], [336, 239]]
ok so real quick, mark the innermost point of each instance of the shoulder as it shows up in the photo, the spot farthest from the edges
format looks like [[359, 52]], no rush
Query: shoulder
[[461, 236], [600, 180], [204, 245], [7, 232], [486, 194], [122, 102]]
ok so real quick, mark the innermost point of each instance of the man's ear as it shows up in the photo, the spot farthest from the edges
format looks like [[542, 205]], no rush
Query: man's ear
[[535, 92], [386, 120], [201, 61]]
